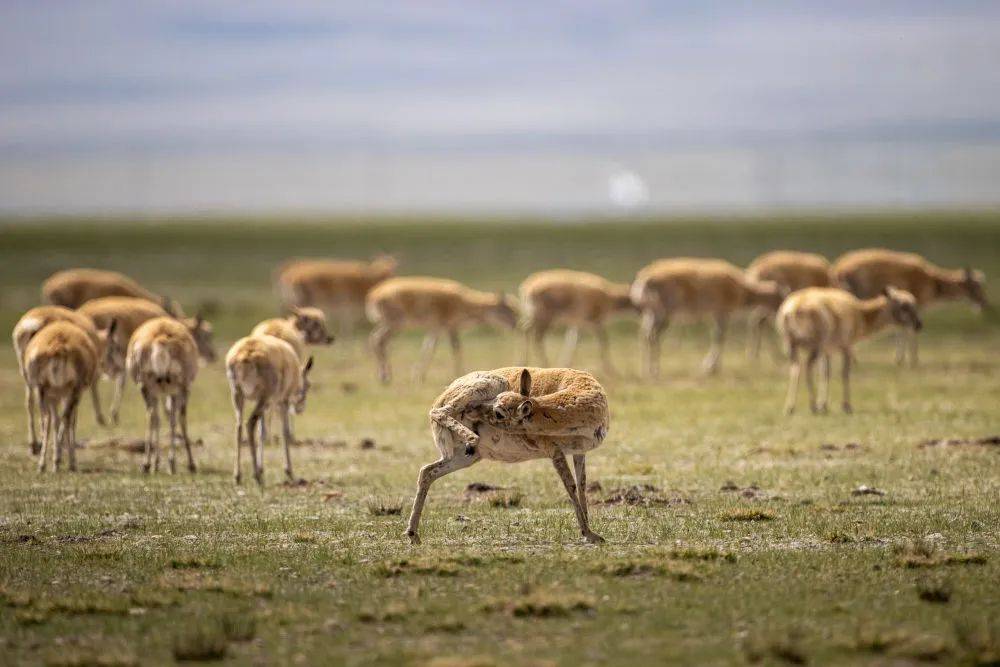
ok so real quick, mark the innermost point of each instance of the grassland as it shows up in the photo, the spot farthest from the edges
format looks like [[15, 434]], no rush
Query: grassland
[[746, 542]]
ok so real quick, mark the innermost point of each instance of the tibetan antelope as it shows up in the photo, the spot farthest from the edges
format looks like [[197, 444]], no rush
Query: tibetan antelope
[[792, 271], [74, 287], [60, 362], [576, 299], [130, 313], [305, 326], [695, 287], [823, 320], [437, 305], [338, 287], [27, 327], [866, 273], [265, 369], [513, 415], [163, 361]]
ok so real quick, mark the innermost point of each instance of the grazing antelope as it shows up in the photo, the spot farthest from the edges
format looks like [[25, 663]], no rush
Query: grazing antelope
[[866, 273], [339, 287], [823, 320], [513, 415], [74, 287], [30, 324], [265, 369], [305, 326], [436, 304], [792, 271], [60, 362], [130, 313], [695, 287], [163, 361], [576, 299]]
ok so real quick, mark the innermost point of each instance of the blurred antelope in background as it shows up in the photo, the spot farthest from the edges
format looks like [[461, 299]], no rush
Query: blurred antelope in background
[[822, 320], [866, 274], [74, 287], [695, 287], [435, 304], [576, 299]]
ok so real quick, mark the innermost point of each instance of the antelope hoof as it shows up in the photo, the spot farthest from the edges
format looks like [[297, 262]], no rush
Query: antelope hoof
[[145, 468], [114, 419], [101, 421], [35, 447], [192, 468], [848, 409], [237, 479], [413, 537], [260, 479], [593, 538]]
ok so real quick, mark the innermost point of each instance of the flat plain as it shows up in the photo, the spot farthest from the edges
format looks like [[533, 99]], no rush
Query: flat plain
[[734, 533]]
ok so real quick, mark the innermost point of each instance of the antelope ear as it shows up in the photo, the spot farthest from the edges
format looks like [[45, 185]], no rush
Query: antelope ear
[[308, 366], [525, 383], [885, 291], [525, 410], [112, 327]]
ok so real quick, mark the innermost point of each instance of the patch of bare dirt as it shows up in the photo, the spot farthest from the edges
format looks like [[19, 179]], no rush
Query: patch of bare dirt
[[641, 494], [336, 443], [865, 490]]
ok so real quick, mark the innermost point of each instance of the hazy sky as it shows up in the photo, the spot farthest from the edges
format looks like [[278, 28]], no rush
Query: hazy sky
[[155, 78]]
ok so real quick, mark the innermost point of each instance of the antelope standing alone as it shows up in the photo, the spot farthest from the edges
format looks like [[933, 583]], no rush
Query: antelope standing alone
[[576, 299], [695, 287], [436, 304], [27, 327], [130, 313], [163, 361], [339, 287], [513, 415], [74, 287], [265, 369], [823, 320], [866, 273], [792, 271], [60, 362]]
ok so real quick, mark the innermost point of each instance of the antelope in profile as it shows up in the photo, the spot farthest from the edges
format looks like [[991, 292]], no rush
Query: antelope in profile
[[513, 415], [576, 299], [130, 313], [791, 271], [866, 273], [60, 362], [695, 287], [437, 305], [163, 361], [265, 369], [27, 327], [74, 287], [823, 320], [338, 287]]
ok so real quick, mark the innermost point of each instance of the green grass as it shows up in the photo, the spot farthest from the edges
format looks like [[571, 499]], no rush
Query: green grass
[[733, 534]]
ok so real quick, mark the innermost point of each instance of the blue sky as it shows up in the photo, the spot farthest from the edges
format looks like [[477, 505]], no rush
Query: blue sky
[[145, 81]]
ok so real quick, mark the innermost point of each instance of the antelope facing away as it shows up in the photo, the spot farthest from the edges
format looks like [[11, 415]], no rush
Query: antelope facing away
[[576, 299], [74, 287], [436, 304], [265, 369], [163, 361], [792, 271], [699, 288], [823, 320], [513, 415], [866, 273], [60, 362], [338, 287], [27, 327], [305, 326], [130, 313]]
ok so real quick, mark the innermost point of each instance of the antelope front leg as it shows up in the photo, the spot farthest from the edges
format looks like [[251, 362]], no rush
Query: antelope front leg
[[29, 406], [810, 382], [184, 430], [428, 474], [571, 340], [755, 330], [713, 360], [96, 398], [580, 466], [238, 408], [649, 332], [794, 371], [69, 417], [171, 409], [846, 379], [562, 469], [605, 350], [257, 450], [379, 340], [912, 339], [286, 432], [116, 398], [426, 354], [824, 387], [46, 423], [456, 351]]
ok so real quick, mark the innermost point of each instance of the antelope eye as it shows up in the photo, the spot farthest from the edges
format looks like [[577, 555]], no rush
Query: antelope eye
[[498, 414]]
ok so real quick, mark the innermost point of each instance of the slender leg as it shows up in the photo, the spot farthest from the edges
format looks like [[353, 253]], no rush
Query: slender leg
[[538, 337], [712, 361], [426, 355], [238, 408], [456, 351], [116, 399], [580, 465], [810, 380], [184, 429], [912, 335], [651, 328], [152, 429], [46, 420], [605, 349], [69, 417], [824, 386], [95, 396], [900, 347], [562, 469], [846, 379], [757, 321], [171, 409], [60, 435], [286, 431], [29, 406], [429, 473], [257, 449], [379, 340], [569, 346], [527, 327], [794, 371]]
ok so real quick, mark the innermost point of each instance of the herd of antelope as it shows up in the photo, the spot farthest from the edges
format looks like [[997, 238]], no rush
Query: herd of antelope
[[104, 323]]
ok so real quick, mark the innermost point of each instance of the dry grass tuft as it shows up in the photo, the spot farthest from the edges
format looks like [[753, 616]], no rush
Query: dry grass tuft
[[203, 642], [384, 506], [541, 604], [747, 514], [505, 499]]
